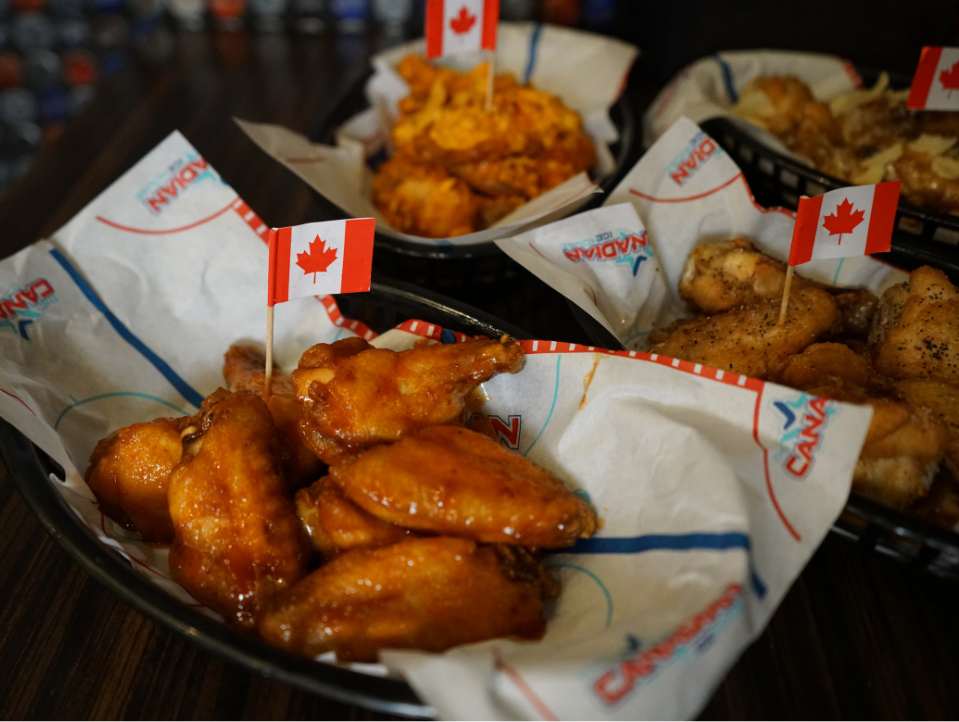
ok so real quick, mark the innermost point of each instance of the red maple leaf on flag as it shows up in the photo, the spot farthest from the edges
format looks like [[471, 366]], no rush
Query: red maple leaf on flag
[[463, 21], [949, 79], [316, 259], [843, 220]]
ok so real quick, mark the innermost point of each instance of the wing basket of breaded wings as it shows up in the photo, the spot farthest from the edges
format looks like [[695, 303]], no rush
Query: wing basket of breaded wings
[[436, 164], [348, 509]]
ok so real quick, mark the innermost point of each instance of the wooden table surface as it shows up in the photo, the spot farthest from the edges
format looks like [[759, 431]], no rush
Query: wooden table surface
[[857, 636]]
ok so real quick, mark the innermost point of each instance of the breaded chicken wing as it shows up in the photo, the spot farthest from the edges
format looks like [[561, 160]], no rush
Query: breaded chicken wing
[[237, 539], [429, 594], [451, 480], [747, 339], [243, 370], [904, 444], [942, 400], [353, 396], [917, 330], [130, 471], [335, 524]]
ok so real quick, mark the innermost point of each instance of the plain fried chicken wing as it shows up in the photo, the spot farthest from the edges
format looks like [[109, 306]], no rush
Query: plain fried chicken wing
[[335, 524], [130, 471], [429, 594], [917, 330], [904, 444], [354, 396], [747, 339], [451, 480], [243, 370], [237, 539]]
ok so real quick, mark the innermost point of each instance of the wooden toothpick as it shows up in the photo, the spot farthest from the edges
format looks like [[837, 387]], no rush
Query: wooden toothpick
[[785, 304], [268, 373]]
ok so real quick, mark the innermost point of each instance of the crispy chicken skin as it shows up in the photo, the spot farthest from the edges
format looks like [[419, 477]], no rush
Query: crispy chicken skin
[[354, 396], [237, 539], [429, 594], [917, 330], [335, 524], [130, 471], [457, 166], [904, 444], [942, 400], [451, 480], [720, 276], [747, 339], [243, 370]]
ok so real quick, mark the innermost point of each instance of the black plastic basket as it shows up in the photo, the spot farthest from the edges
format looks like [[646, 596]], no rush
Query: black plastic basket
[[779, 180], [450, 267], [384, 307]]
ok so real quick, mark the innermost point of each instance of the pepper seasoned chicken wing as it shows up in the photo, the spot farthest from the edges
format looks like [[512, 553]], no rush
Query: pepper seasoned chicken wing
[[942, 401], [916, 335], [451, 480], [905, 443], [429, 594], [130, 471], [244, 370], [747, 339], [354, 395], [335, 524], [237, 539]]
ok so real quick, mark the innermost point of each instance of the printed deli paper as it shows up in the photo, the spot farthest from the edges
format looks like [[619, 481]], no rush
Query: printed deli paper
[[711, 505], [685, 191], [587, 71]]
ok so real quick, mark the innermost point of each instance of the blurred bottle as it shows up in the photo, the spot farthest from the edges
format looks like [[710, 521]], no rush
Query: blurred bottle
[[350, 15], [72, 33], [107, 6], [394, 16], [599, 14], [561, 12], [31, 31], [26, 6], [80, 97], [66, 8], [518, 9], [17, 106], [142, 9], [228, 14], [110, 32], [189, 14], [41, 69], [310, 16], [11, 70], [269, 16], [54, 105], [79, 68]]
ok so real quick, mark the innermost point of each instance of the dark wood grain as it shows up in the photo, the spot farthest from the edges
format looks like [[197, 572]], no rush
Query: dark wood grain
[[856, 637]]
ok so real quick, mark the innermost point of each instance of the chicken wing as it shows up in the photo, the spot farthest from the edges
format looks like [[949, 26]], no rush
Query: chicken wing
[[237, 539], [243, 370], [917, 333], [904, 444], [429, 594], [354, 397], [747, 339], [335, 524], [942, 400], [130, 472], [451, 480]]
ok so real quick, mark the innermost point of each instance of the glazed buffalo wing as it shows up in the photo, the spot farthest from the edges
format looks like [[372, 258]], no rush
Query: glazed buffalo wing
[[355, 396], [451, 480], [130, 471], [237, 540], [428, 594]]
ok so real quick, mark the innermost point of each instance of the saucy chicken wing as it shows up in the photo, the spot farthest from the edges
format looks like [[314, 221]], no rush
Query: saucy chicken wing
[[237, 539], [130, 471], [747, 339], [917, 330], [451, 480], [243, 370], [354, 395], [335, 524], [904, 444], [429, 594]]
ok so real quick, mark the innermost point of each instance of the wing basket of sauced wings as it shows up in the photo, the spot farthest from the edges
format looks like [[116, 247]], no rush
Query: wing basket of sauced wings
[[435, 164]]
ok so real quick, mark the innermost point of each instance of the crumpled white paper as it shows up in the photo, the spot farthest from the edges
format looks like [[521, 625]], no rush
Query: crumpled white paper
[[586, 70], [684, 191], [125, 313]]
